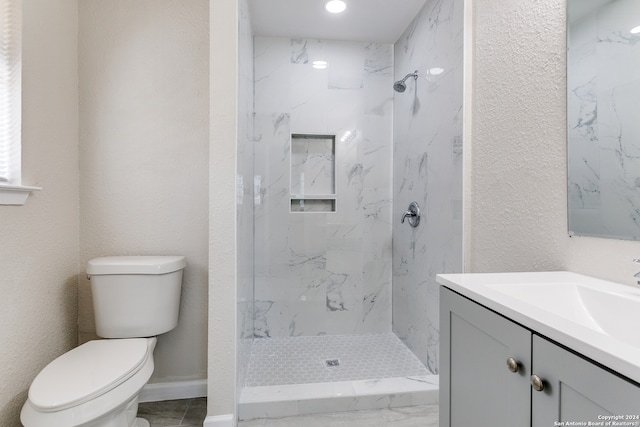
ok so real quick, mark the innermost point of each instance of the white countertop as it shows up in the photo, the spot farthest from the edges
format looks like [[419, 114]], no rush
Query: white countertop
[[596, 318]]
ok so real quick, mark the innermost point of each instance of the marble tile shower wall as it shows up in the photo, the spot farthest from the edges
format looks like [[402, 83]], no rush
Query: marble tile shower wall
[[428, 169], [323, 273], [603, 127]]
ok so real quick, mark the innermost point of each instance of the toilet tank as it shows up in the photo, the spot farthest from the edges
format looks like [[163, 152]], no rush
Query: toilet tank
[[136, 296]]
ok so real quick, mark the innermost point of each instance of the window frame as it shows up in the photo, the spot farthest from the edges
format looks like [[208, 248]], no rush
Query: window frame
[[12, 192]]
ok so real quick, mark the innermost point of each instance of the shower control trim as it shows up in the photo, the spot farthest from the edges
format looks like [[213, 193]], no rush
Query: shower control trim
[[413, 214]]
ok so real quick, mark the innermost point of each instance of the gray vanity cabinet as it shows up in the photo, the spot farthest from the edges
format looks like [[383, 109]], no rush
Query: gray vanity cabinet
[[578, 390], [475, 380], [478, 387]]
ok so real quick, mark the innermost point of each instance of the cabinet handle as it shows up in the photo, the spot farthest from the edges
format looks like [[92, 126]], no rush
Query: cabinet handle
[[513, 364], [537, 383]]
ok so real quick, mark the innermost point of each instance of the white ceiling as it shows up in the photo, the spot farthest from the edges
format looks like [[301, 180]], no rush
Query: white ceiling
[[381, 21]]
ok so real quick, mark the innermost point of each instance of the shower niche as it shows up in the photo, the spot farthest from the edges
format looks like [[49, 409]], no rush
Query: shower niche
[[313, 173]]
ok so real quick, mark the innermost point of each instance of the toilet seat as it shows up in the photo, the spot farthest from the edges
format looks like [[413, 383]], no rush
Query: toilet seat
[[87, 372]]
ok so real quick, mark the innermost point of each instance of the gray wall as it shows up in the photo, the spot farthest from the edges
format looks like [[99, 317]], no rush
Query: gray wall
[[427, 168]]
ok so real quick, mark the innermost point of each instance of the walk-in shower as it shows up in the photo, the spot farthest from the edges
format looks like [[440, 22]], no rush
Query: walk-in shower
[[401, 86], [337, 299]]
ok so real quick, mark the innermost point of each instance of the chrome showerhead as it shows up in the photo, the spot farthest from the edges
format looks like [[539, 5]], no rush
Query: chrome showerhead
[[400, 85]]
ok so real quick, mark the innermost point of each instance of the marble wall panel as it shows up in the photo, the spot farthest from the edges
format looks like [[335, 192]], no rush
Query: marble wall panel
[[323, 273], [428, 169]]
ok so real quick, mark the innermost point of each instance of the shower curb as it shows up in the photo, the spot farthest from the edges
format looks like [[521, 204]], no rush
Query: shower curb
[[342, 396]]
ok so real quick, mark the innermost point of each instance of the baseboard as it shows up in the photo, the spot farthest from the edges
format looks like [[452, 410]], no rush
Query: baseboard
[[219, 421], [156, 392]]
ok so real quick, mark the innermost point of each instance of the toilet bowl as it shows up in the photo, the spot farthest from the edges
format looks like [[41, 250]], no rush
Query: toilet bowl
[[97, 384]]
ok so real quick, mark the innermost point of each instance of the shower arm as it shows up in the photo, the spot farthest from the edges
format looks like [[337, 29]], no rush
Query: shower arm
[[414, 75]]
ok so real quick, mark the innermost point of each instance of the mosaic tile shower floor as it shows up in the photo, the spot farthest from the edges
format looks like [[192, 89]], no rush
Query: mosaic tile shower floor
[[302, 360]]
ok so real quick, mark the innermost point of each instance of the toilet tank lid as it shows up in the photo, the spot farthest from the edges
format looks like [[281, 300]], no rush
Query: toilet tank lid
[[160, 264]]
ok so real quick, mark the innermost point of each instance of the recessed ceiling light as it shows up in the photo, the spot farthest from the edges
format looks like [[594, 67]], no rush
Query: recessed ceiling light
[[335, 6], [635, 30], [319, 65]]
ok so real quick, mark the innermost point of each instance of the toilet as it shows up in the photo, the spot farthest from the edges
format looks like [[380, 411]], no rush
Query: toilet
[[97, 384]]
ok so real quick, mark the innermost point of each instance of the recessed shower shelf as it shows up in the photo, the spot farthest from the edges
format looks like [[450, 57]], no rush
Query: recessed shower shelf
[[314, 196], [313, 173], [319, 204]]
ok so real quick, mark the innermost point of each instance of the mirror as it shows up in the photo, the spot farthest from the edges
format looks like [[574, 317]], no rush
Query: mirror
[[603, 118]]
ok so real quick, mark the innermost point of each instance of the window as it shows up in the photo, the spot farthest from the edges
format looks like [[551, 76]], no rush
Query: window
[[10, 99], [12, 192]]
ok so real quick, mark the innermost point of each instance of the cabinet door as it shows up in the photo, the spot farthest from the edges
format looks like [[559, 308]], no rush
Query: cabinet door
[[577, 390], [476, 386]]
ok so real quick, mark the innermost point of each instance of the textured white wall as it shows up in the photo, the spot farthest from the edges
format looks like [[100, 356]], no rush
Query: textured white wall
[[144, 143], [222, 208], [39, 241], [516, 193]]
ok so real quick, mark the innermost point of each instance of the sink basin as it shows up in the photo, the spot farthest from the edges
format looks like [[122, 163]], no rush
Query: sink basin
[[614, 313]]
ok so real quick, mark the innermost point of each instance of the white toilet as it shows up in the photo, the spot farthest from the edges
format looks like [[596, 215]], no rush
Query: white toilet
[[97, 384]]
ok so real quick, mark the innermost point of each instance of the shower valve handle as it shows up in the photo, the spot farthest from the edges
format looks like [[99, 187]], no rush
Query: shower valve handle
[[413, 213]]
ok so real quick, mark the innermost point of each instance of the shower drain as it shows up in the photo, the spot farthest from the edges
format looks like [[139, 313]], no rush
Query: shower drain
[[331, 363]]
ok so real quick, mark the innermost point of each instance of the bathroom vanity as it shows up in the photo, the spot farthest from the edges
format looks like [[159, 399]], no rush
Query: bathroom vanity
[[538, 349]]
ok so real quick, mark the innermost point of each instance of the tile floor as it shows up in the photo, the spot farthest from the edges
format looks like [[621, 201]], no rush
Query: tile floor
[[410, 416], [175, 413], [192, 412]]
